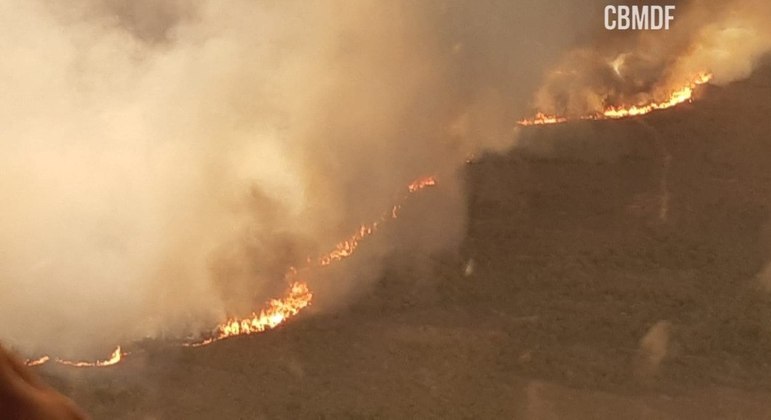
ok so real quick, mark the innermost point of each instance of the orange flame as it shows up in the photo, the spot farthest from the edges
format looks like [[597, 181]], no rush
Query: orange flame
[[114, 359], [421, 183], [347, 247], [278, 310], [37, 362], [676, 97], [298, 296], [542, 119]]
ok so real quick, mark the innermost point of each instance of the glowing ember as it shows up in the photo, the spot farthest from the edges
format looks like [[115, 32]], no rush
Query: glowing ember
[[676, 97]]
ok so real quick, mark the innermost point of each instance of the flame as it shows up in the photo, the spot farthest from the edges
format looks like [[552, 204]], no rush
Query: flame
[[421, 183], [37, 362], [114, 359], [297, 298], [279, 310], [676, 97], [299, 295], [542, 119], [347, 247]]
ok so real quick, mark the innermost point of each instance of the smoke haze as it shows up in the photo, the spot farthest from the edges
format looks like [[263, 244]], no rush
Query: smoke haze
[[164, 162], [725, 39]]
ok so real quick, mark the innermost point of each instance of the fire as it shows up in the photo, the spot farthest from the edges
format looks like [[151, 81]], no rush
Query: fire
[[37, 362], [347, 247], [297, 298], [542, 119], [421, 183], [299, 295], [676, 97], [114, 359]]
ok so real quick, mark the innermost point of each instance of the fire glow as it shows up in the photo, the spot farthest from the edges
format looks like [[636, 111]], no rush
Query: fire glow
[[279, 310], [297, 298], [115, 358], [676, 97], [299, 295]]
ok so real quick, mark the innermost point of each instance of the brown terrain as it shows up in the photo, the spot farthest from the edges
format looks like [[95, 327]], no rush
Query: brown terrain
[[610, 271]]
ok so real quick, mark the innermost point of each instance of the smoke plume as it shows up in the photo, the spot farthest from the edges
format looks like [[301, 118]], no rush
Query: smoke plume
[[724, 39], [165, 162]]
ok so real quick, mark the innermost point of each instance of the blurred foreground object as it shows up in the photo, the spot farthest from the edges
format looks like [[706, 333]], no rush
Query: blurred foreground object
[[24, 395]]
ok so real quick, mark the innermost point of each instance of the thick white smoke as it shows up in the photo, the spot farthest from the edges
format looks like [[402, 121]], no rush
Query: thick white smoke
[[164, 162]]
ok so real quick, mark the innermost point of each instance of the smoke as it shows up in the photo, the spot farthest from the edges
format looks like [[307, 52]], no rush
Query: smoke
[[165, 162], [726, 39]]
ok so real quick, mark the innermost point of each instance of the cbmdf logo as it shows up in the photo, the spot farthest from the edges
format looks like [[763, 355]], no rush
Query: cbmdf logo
[[638, 18]]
